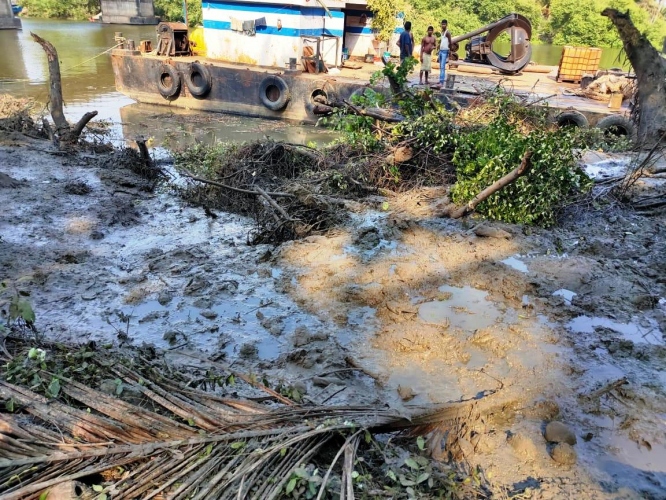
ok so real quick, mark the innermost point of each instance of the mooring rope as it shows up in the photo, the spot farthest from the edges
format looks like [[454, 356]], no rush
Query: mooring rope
[[92, 58]]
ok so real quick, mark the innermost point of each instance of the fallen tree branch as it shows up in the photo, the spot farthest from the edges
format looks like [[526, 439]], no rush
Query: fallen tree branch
[[80, 125], [273, 204], [522, 169], [190, 175]]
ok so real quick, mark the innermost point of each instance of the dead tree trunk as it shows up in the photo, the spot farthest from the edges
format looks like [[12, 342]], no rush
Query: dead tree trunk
[[65, 133], [650, 70]]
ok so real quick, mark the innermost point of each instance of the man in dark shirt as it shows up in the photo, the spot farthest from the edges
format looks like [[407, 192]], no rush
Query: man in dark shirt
[[406, 42]]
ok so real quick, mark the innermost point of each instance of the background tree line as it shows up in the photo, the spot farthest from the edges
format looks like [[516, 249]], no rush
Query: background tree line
[[167, 10], [560, 22], [574, 22]]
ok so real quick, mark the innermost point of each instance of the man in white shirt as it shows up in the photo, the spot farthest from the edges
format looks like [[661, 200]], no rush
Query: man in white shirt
[[444, 46]]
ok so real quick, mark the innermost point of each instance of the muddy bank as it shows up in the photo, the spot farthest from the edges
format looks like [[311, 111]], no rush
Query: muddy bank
[[397, 308]]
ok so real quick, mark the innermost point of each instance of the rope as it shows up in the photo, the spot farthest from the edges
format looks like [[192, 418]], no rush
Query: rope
[[92, 58]]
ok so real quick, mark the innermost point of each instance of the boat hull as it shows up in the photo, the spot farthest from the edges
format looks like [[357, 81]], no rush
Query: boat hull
[[234, 89]]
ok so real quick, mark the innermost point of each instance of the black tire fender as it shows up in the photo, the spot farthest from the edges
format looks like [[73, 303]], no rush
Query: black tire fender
[[168, 81], [572, 119], [617, 125], [267, 93], [198, 79]]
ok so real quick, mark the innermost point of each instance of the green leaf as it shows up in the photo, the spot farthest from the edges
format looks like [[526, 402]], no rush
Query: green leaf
[[54, 388], [283, 452], [20, 308], [236, 445], [368, 437], [422, 477], [102, 496], [411, 463], [98, 488], [391, 474], [291, 485], [44, 495], [420, 442]]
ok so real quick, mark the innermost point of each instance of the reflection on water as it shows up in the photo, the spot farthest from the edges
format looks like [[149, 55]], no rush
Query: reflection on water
[[170, 126], [23, 65]]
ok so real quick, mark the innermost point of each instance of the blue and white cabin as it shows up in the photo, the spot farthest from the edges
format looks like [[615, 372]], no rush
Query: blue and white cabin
[[257, 32]]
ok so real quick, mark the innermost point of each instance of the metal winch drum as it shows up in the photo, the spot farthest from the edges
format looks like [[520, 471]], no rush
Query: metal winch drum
[[480, 47]]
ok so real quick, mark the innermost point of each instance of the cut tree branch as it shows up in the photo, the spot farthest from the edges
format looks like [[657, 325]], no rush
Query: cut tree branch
[[522, 169]]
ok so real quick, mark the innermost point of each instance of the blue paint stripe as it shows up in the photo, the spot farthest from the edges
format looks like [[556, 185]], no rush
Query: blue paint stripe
[[271, 8], [358, 30], [272, 30]]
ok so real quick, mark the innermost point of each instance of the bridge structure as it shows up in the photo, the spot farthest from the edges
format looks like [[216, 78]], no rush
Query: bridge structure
[[8, 20], [128, 12]]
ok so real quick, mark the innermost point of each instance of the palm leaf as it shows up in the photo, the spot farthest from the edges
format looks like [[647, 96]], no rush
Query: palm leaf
[[191, 444]]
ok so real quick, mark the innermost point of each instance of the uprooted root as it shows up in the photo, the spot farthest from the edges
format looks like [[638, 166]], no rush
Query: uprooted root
[[292, 190]]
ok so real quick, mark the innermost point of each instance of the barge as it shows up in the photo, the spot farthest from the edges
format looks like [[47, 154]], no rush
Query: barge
[[258, 55]]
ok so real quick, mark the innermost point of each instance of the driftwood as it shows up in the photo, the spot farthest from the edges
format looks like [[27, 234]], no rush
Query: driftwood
[[522, 169], [64, 131], [650, 70]]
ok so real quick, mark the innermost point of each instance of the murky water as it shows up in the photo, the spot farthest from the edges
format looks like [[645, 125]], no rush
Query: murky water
[[464, 308], [88, 84]]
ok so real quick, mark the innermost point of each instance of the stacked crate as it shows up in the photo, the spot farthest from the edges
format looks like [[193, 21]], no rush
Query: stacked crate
[[577, 61]]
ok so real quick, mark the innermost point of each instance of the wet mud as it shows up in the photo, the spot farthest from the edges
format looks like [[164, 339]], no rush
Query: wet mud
[[398, 308]]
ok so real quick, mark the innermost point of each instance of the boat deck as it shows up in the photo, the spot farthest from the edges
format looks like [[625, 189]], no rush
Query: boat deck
[[541, 87]]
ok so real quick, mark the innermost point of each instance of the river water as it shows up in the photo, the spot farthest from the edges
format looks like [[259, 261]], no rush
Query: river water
[[88, 84]]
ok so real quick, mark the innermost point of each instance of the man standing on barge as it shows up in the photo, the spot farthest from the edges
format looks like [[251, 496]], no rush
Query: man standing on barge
[[444, 47], [428, 44], [406, 42]]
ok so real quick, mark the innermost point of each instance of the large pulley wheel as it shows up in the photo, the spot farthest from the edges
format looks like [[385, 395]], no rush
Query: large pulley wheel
[[520, 55]]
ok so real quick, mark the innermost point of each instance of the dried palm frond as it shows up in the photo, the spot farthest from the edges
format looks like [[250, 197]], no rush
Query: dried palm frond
[[191, 444]]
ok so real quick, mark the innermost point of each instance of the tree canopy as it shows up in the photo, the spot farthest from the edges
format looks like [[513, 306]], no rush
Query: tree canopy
[[571, 22]]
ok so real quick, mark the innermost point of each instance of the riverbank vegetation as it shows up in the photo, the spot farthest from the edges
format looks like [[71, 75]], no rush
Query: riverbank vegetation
[[573, 22], [167, 10]]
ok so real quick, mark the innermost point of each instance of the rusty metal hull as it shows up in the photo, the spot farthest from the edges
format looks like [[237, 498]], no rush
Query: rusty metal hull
[[234, 88]]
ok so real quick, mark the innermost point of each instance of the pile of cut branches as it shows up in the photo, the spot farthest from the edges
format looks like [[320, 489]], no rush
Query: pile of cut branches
[[293, 190], [16, 115], [132, 425]]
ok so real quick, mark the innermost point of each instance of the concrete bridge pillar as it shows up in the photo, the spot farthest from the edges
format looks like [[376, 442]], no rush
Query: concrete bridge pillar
[[128, 12], [8, 20]]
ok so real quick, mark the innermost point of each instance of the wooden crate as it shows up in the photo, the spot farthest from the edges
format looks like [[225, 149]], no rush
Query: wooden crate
[[577, 61]]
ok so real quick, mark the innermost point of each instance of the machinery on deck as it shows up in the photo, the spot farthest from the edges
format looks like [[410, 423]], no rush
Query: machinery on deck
[[479, 49]]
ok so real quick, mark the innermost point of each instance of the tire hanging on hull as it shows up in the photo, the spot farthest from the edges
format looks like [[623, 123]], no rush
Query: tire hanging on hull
[[274, 93], [168, 82], [198, 80]]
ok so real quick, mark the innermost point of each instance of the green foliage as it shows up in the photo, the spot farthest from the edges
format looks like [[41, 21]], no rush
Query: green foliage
[[384, 18], [168, 10], [570, 22], [62, 9], [304, 482], [357, 130], [485, 155], [172, 10]]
